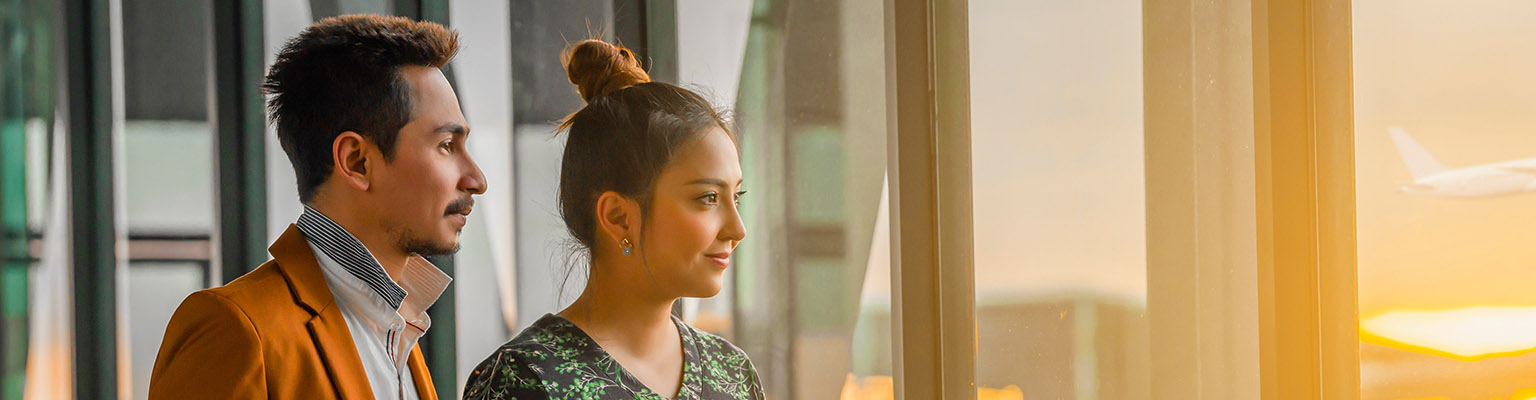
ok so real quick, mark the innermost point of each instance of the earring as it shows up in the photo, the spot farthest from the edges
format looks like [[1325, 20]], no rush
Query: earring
[[625, 244]]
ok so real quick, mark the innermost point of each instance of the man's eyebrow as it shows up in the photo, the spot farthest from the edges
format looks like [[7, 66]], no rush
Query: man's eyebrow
[[453, 128]]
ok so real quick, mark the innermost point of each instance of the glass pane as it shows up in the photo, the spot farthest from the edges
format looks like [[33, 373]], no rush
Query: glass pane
[[1059, 200], [1443, 167], [812, 302], [167, 136], [155, 289], [166, 168], [26, 151]]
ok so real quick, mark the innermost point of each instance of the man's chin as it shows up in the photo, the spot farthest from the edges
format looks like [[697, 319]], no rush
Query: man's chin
[[426, 249], [447, 250]]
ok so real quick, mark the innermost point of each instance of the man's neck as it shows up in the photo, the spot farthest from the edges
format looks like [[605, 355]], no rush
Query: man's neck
[[374, 238]]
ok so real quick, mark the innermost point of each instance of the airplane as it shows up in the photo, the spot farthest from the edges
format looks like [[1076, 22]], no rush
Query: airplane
[[1430, 177]]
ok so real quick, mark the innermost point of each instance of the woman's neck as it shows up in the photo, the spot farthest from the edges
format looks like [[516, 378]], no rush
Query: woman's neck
[[615, 312]]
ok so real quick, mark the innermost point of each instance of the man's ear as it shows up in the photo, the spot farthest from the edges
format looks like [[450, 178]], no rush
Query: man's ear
[[350, 161], [618, 217]]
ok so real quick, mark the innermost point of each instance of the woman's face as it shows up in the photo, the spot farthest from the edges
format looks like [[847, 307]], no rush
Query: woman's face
[[693, 224]]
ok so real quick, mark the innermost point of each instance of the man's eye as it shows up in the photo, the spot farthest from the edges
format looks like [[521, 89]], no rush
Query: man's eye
[[447, 145]]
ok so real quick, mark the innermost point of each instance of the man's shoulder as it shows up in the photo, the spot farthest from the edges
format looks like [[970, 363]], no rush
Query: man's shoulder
[[263, 284], [263, 295]]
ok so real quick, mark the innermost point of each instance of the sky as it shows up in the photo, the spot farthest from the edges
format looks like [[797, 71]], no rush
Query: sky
[[1462, 81], [1056, 114]]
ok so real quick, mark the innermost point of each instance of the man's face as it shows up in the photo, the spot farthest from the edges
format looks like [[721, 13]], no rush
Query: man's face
[[423, 197]]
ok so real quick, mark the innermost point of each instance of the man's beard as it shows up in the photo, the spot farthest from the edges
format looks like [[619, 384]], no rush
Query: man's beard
[[412, 243]]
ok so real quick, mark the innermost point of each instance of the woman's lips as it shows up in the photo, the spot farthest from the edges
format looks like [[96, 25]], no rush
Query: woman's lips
[[721, 259]]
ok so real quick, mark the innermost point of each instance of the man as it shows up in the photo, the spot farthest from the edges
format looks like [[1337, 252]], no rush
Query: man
[[376, 139]]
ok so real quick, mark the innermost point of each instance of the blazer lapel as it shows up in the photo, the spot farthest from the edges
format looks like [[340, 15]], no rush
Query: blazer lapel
[[419, 374], [326, 327], [297, 263], [340, 355]]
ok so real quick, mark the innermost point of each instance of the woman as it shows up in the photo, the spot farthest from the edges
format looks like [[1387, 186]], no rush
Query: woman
[[649, 187]]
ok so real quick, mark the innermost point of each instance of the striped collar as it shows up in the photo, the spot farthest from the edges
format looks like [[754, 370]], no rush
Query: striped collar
[[346, 250]]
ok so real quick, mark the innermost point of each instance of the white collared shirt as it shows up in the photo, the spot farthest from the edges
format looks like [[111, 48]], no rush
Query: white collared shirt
[[383, 334]]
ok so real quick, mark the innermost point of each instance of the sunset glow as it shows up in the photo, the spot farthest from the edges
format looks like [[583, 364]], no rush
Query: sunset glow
[[1470, 333]]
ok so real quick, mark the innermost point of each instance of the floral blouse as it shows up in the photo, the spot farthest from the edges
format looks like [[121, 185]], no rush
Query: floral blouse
[[554, 359]]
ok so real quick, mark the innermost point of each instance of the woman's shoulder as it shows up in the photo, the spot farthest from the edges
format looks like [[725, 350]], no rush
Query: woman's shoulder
[[711, 345], [515, 370], [545, 338], [505, 375], [722, 370]]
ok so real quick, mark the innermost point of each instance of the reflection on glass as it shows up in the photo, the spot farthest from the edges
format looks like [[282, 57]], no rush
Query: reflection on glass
[[1059, 200], [26, 149], [811, 303], [1444, 171]]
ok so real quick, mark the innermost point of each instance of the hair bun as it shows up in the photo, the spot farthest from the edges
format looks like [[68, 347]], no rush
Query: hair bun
[[598, 68]]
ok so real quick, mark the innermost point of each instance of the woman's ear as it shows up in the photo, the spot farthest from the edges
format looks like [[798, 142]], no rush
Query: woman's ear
[[349, 158], [618, 216]]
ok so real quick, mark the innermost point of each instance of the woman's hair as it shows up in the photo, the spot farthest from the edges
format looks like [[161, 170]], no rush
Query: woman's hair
[[626, 134]]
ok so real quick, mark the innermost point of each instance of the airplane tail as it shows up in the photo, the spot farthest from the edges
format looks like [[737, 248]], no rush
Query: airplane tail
[[1420, 163]]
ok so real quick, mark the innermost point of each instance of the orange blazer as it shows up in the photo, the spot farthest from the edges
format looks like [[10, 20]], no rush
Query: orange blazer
[[273, 333]]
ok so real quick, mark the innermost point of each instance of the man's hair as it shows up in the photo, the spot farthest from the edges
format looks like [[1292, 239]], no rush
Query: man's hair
[[343, 74]]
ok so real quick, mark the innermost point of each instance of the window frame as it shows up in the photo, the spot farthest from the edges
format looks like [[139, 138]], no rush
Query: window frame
[[1304, 142], [89, 99], [933, 324]]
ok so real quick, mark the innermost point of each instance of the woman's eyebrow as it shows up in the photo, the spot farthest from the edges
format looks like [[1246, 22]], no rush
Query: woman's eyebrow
[[707, 181], [713, 182]]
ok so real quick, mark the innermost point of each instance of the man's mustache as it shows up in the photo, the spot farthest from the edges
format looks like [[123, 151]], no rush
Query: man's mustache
[[460, 206]]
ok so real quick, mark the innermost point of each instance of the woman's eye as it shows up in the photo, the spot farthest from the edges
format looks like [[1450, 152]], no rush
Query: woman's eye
[[738, 196], [710, 199]]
